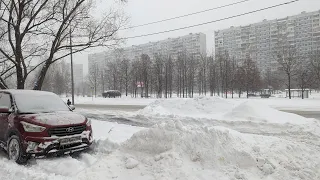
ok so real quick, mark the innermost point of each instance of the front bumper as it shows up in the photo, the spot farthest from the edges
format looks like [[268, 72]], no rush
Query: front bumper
[[52, 145]]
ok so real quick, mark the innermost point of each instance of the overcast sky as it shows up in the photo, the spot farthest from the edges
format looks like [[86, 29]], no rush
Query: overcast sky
[[144, 11]]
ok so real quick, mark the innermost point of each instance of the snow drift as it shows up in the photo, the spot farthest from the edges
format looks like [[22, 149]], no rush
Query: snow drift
[[220, 109], [200, 107], [176, 151], [254, 111]]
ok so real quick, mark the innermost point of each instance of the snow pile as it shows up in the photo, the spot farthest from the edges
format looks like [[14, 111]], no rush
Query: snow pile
[[201, 107], [114, 132], [254, 111], [220, 109], [173, 151]]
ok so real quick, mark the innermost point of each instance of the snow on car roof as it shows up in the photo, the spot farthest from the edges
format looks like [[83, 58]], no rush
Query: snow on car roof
[[26, 92], [112, 91]]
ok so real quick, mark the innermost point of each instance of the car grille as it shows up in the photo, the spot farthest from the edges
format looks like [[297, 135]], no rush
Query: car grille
[[66, 131]]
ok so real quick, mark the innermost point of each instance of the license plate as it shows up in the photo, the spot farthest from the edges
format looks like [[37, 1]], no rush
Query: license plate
[[71, 140]]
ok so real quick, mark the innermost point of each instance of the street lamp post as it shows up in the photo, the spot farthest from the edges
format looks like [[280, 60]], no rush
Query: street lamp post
[[72, 80]]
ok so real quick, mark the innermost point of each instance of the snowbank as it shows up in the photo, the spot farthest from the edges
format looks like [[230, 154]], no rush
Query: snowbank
[[295, 104], [258, 112], [174, 151], [114, 132], [220, 109], [201, 107]]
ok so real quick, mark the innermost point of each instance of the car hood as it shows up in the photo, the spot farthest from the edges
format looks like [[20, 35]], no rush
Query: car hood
[[55, 119]]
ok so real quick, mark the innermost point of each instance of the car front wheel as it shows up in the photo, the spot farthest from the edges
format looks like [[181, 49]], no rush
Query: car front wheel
[[15, 150]]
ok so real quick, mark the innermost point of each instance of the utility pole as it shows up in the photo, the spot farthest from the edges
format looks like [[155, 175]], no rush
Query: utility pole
[[72, 80]]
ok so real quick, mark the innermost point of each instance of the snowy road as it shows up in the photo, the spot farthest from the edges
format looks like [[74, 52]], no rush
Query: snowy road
[[129, 108], [307, 114], [133, 108]]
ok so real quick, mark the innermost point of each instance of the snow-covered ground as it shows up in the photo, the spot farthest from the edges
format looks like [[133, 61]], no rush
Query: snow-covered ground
[[111, 101], [201, 138], [278, 102]]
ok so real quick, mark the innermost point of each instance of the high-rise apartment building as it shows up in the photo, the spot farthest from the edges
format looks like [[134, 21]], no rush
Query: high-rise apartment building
[[260, 40], [193, 43]]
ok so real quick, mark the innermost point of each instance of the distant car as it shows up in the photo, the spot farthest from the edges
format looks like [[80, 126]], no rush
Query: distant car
[[265, 95], [39, 123], [111, 93]]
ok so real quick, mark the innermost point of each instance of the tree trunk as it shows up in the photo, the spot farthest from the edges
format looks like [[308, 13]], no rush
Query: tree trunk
[[232, 91], [40, 80], [289, 85], [126, 81], [247, 92], [102, 79], [20, 79]]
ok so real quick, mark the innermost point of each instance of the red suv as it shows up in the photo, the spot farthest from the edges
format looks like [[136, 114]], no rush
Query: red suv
[[39, 123]]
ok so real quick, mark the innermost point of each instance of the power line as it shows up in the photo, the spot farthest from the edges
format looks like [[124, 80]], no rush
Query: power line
[[186, 15], [209, 22]]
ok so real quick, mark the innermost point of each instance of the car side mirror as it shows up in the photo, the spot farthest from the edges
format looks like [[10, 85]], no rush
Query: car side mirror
[[72, 107], [4, 110]]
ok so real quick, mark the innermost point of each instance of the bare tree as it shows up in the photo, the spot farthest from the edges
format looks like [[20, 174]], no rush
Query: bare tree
[[93, 77], [288, 60], [315, 64], [233, 69], [125, 70], [145, 65], [135, 77], [273, 79], [304, 77], [251, 76], [169, 76], [240, 80], [212, 76], [202, 74], [158, 73], [113, 73], [39, 32]]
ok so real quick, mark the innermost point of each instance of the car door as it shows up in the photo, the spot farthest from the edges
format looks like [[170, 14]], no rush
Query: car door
[[5, 102]]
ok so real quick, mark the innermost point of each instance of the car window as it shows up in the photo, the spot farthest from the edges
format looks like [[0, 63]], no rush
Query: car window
[[5, 101], [39, 103]]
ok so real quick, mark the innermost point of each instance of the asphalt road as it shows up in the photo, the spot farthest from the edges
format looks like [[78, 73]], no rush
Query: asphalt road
[[110, 107], [307, 114]]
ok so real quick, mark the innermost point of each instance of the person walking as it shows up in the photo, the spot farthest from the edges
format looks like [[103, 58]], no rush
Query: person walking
[[69, 102]]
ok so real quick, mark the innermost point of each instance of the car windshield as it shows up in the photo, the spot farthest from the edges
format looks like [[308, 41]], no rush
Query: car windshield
[[39, 103]]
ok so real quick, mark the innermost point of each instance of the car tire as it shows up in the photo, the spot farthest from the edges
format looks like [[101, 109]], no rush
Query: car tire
[[15, 152]]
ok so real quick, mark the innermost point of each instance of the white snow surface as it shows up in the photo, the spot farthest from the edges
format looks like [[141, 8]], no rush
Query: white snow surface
[[309, 104], [201, 107], [111, 101], [191, 139], [255, 111], [221, 109]]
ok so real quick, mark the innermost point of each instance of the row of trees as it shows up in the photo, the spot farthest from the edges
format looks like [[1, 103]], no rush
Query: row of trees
[[301, 70], [182, 76], [185, 75]]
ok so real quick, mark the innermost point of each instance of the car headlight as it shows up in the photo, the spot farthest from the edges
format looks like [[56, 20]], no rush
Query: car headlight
[[88, 122], [32, 128]]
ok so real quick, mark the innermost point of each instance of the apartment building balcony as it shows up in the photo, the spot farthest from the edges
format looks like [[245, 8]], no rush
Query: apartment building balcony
[[316, 34]]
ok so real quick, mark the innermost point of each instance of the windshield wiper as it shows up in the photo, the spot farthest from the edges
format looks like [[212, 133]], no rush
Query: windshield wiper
[[47, 112], [27, 113]]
